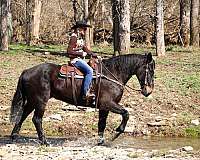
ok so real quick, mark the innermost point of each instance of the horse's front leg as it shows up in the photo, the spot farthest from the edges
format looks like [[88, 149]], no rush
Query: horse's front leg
[[103, 114], [116, 108]]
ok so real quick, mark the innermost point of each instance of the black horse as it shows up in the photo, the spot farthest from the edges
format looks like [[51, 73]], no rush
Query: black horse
[[40, 83]]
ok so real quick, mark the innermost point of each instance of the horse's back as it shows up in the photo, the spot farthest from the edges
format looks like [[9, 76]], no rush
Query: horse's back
[[41, 71]]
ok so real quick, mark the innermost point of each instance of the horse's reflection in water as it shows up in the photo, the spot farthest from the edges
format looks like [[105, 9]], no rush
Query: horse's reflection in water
[[39, 83]]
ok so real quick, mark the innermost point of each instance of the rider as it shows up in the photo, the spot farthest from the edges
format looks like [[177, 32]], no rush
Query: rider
[[77, 50]]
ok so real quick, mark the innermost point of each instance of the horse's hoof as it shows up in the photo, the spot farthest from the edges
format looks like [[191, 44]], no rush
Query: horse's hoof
[[14, 137], [44, 143], [120, 130], [100, 141], [116, 135]]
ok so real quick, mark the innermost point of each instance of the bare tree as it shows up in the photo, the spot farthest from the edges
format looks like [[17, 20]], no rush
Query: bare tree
[[36, 20], [160, 41], [4, 35], [184, 22], [121, 26], [86, 14], [75, 9], [194, 23], [33, 11], [28, 22], [93, 9]]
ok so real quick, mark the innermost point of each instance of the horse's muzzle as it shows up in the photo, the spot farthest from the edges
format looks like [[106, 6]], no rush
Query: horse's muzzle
[[147, 90]]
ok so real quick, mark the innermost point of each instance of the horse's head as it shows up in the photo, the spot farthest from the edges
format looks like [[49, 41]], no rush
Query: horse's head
[[145, 75]]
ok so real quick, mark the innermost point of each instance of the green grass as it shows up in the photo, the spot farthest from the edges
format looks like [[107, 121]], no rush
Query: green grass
[[181, 82], [180, 70], [15, 49], [193, 131]]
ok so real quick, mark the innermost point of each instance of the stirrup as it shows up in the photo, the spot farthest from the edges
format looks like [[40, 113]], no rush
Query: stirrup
[[90, 94]]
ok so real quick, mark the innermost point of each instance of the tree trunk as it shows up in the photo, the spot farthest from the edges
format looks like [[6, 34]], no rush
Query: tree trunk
[[86, 14], [124, 27], [36, 21], [103, 19], [184, 22], [92, 10], [160, 41], [75, 10], [121, 26], [194, 23], [28, 22], [5, 5], [116, 19]]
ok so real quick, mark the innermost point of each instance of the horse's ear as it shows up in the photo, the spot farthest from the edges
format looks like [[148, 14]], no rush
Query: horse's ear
[[149, 58]]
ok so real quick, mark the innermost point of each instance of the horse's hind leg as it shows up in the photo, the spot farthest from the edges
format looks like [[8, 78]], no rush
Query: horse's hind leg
[[15, 132], [116, 108], [37, 120], [103, 114]]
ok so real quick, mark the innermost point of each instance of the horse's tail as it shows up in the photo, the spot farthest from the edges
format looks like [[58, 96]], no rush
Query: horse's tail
[[17, 102]]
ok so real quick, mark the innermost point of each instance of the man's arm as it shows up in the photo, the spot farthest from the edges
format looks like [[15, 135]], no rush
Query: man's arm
[[71, 48], [85, 49]]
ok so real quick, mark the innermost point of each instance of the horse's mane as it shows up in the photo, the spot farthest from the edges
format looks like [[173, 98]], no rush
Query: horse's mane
[[123, 62]]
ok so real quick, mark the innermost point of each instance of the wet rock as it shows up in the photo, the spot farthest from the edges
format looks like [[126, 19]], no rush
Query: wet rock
[[195, 122], [56, 117], [170, 156], [187, 148], [46, 53], [158, 118], [70, 108], [90, 109], [146, 132], [158, 124]]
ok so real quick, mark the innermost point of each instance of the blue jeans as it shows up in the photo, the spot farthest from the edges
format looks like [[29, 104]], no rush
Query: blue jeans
[[88, 71]]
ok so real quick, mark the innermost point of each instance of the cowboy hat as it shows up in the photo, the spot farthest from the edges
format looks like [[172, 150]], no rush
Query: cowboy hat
[[81, 24]]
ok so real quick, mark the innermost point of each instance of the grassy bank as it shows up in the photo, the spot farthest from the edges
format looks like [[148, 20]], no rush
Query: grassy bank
[[176, 98]]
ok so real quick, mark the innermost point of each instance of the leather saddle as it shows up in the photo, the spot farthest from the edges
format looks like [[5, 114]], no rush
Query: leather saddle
[[67, 70]]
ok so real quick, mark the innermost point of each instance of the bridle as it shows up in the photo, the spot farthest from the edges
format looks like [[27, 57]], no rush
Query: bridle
[[146, 75]]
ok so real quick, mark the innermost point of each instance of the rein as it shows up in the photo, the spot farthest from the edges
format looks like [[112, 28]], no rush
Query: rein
[[117, 81], [99, 85]]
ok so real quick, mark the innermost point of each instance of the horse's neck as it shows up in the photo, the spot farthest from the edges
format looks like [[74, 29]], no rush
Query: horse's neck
[[122, 68]]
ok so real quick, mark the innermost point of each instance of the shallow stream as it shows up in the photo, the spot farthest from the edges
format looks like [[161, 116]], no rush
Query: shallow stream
[[157, 143]]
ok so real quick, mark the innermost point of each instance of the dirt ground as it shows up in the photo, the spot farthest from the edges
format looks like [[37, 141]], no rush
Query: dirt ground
[[167, 112], [165, 102]]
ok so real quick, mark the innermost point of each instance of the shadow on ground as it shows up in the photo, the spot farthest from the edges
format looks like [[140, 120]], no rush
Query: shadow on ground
[[55, 141]]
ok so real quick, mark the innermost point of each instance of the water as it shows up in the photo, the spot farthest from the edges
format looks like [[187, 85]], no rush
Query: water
[[157, 143]]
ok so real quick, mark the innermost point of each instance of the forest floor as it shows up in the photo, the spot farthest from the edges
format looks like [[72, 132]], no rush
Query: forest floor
[[172, 110]]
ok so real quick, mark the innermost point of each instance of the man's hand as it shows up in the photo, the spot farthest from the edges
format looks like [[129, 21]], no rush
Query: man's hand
[[84, 54], [99, 58]]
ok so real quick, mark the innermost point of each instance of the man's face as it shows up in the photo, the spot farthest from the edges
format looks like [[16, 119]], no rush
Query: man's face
[[82, 30]]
